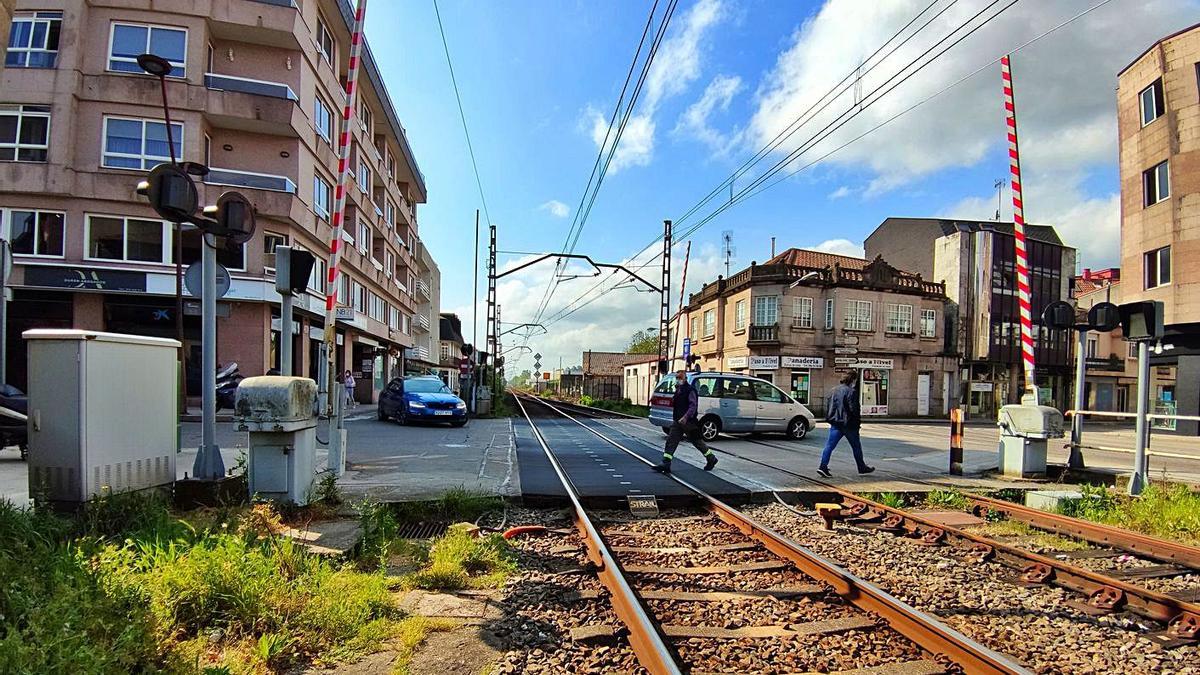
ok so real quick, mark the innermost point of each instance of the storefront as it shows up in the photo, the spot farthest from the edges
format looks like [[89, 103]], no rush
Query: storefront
[[799, 374], [874, 378]]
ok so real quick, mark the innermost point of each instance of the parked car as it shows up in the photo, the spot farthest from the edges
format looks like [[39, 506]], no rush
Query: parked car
[[421, 398], [13, 431], [737, 404]]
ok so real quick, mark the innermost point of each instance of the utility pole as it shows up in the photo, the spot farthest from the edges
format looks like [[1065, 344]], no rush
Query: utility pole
[[664, 313], [492, 327], [5, 270], [727, 249], [999, 185], [475, 322]]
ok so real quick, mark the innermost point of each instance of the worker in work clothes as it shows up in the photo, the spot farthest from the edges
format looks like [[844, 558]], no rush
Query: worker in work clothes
[[844, 415], [684, 405]]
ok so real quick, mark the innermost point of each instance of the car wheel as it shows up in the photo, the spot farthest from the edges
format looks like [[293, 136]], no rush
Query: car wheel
[[797, 428], [710, 427], [403, 417], [459, 423]]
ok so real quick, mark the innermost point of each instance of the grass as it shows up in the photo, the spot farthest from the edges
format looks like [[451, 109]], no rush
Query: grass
[[622, 406], [410, 633], [945, 499], [461, 560], [129, 587], [893, 500], [1162, 510], [1040, 538]]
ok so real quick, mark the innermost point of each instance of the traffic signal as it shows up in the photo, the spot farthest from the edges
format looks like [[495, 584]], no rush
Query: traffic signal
[[171, 192], [1142, 320], [293, 267]]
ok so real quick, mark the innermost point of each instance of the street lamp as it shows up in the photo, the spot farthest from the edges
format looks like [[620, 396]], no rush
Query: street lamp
[[802, 279], [159, 67]]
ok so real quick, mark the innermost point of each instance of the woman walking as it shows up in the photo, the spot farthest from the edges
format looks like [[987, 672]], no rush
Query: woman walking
[[844, 415], [348, 382]]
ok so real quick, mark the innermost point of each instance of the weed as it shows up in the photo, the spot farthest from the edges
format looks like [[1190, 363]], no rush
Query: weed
[[890, 499], [455, 505], [1096, 503], [380, 529], [1162, 510], [1039, 538], [460, 560], [271, 646], [410, 633], [328, 490], [946, 499]]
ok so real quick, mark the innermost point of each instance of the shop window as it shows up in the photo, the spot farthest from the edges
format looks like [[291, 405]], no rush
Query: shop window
[[39, 233], [873, 388], [801, 381]]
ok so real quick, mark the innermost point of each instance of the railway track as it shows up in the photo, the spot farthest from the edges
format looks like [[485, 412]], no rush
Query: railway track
[[712, 589]]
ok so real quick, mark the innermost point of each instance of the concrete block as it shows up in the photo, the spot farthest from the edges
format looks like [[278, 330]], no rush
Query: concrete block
[[1049, 500]]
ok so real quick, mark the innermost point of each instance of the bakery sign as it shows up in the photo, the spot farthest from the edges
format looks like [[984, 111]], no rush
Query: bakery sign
[[863, 362], [803, 361], [764, 362]]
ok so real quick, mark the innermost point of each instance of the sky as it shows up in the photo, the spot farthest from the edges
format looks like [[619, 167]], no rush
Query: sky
[[539, 80]]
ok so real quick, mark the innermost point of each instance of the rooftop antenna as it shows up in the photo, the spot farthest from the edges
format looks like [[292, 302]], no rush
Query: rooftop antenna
[[727, 249], [999, 185]]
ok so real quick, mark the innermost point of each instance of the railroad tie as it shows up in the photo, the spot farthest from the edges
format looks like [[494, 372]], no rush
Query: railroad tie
[[824, 627], [743, 546], [714, 569], [723, 596], [918, 667]]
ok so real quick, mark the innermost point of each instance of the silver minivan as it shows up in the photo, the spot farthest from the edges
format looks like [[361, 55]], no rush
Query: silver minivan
[[735, 403]]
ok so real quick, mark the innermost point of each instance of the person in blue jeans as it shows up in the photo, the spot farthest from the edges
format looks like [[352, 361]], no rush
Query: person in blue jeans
[[844, 415]]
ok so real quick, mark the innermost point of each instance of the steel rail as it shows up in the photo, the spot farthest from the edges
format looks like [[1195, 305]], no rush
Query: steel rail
[[645, 638], [921, 628], [1104, 593]]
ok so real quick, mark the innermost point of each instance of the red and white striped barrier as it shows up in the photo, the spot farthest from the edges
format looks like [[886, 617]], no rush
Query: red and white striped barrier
[[1023, 295], [339, 195]]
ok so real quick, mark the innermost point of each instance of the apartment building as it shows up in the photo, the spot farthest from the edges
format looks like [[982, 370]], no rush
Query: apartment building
[[976, 261], [6, 12], [1158, 126], [450, 343], [254, 95], [422, 357], [805, 318]]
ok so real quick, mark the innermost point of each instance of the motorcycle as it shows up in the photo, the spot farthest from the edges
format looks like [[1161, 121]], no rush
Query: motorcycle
[[228, 379]]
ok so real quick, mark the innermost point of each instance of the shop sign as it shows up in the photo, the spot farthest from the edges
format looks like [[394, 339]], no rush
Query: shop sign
[[863, 362], [803, 361], [764, 362], [368, 365], [735, 362], [981, 386], [343, 313], [77, 278]]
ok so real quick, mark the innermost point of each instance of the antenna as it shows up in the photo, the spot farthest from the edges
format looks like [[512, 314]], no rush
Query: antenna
[[727, 249], [999, 185]]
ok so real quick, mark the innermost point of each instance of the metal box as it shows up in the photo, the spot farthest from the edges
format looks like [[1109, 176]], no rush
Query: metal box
[[1031, 421], [103, 413], [278, 414]]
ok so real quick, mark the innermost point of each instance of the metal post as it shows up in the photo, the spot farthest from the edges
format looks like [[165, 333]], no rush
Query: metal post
[[1137, 482], [285, 335], [956, 441], [1075, 461], [4, 271], [475, 323], [208, 465]]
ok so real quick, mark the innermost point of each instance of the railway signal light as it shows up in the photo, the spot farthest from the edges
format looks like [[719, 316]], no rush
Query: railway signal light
[[1142, 320], [293, 267]]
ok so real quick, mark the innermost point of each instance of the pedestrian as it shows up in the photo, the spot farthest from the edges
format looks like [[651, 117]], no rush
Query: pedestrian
[[683, 406], [348, 382], [844, 415]]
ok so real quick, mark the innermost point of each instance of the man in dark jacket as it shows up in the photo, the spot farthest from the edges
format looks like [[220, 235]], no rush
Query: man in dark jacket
[[683, 406], [844, 415]]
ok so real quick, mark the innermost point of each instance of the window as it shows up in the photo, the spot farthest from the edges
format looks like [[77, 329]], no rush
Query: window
[[320, 197], [707, 386], [24, 133], [343, 290], [389, 263], [364, 173], [36, 232], [377, 308], [138, 144], [803, 313], [391, 166], [128, 41], [928, 323], [1092, 341], [829, 314], [899, 318], [323, 119], [765, 391], [364, 237], [365, 118], [405, 324], [359, 295], [445, 352], [858, 315], [393, 318], [128, 239], [1151, 99], [316, 280], [389, 213], [1133, 350], [1157, 264], [766, 310], [33, 40], [739, 388], [1156, 182], [695, 327], [739, 315], [325, 43], [271, 241], [710, 323]]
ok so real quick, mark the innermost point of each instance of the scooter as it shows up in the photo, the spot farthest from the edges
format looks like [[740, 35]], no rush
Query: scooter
[[228, 379]]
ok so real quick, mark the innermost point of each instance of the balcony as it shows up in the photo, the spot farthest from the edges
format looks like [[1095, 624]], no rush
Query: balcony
[[422, 322], [423, 290], [246, 85], [249, 179], [420, 353], [764, 334]]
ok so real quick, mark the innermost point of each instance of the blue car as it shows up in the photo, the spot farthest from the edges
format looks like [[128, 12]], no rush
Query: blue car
[[423, 398]]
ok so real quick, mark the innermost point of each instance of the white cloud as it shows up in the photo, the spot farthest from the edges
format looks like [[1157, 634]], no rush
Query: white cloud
[[842, 192], [556, 208], [840, 247], [677, 64], [695, 120]]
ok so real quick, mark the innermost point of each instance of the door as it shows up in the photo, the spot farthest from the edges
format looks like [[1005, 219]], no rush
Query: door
[[923, 393], [945, 393], [738, 407], [771, 408], [1104, 396]]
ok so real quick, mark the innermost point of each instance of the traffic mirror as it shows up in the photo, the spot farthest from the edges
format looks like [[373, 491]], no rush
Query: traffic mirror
[[1103, 317], [171, 192], [232, 217]]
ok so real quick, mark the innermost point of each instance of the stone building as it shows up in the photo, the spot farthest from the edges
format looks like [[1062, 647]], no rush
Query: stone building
[[805, 317]]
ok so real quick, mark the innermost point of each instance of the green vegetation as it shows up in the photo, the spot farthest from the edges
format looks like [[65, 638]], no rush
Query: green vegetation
[[1040, 538], [623, 406], [893, 500], [410, 634], [1167, 511], [455, 505], [643, 342], [945, 499], [462, 560]]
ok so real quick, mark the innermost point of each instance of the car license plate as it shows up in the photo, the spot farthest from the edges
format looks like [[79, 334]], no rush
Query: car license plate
[[441, 412]]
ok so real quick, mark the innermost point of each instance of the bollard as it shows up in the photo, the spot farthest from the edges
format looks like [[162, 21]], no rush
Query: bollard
[[956, 441]]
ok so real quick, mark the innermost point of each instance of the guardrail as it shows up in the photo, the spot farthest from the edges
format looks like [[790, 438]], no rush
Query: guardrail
[[250, 179], [1133, 416], [246, 85]]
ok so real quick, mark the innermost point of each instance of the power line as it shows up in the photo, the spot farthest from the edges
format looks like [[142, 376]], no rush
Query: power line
[[462, 115]]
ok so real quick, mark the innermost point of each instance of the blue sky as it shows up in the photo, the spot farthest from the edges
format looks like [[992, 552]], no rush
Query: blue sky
[[534, 75]]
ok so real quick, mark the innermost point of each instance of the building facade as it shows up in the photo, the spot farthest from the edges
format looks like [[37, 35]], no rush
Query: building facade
[[6, 12], [976, 262], [1158, 123], [422, 357], [254, 95], [450, 343], [805, 318]]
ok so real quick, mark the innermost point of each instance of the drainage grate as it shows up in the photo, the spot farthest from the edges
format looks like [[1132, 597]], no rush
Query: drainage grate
[[422, 530]]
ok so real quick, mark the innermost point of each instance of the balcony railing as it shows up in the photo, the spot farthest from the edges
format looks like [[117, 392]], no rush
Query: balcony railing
[[420, 352], [261, 181], [422, 322], [423, 289], [279, 3], [246, 85], [764, 333]]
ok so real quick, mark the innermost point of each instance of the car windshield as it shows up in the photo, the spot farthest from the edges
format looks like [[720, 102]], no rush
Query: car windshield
[[425, 387]]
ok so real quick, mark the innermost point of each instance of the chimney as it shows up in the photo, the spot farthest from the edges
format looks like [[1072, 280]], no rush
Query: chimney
[[1087, 274]]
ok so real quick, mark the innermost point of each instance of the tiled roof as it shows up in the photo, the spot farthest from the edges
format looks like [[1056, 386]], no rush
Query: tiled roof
[[805, 258], [609, 363]]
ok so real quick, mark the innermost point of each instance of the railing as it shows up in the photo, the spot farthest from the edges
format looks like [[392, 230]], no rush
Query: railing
[[421, 353], [246, 85], [1155, 419], [422, 322], [764, 333], [423, 289], [249, 179], [279, 3]]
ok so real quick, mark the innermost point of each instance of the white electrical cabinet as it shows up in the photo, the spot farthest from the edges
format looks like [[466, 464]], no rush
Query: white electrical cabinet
[[103, 412]]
